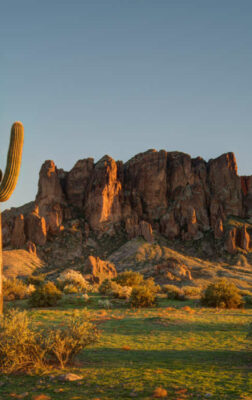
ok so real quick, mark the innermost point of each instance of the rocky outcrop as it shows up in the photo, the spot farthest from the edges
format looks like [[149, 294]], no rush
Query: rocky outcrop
[[230, 242], [77, 181], [97, 270], [167, 193], [173, 270], [35, 228], [246, 184], [18, 238], [50, 197], [244, 239], [103, 202]]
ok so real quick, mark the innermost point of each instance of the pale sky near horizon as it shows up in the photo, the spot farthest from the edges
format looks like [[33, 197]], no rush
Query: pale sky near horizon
[[118, 77]]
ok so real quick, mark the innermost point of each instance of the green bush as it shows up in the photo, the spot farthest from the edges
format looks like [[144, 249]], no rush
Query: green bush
[[46, 295], [120, 292], [14, 289], [73, 278], [142, 296], [222, 294], [36, 280], [173, 292], [192, 291], [23, 348], [129, 278], [105, 287], [20, 345], [64, 343]]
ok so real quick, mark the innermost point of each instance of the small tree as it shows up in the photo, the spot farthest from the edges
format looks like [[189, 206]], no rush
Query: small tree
[[222, 294]]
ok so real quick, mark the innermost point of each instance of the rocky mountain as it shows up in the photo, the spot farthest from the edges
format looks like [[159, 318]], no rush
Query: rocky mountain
[[95, 208]]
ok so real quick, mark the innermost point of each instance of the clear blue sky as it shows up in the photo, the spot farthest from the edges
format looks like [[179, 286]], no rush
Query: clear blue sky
[[118, 77]]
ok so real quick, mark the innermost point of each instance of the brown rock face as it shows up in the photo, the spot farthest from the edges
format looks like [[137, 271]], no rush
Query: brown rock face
[[244, 239], [35, 228], [167, 192], [77, 182], [103, 204], [218, 229], [246, 183], [99, 269], [230, 242], [18, 234], [173, 270], [225, 188], [50, 197], [145, 230], [169, 227], [31, 248], [145, 181]]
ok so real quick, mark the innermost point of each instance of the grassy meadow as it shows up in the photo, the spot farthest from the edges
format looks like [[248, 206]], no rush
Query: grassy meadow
[[191, 352]]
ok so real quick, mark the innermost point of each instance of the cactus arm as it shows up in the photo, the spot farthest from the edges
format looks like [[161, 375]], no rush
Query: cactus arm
[[13, 164]]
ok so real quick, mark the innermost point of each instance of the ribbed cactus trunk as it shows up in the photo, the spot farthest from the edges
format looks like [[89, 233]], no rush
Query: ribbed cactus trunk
[[9, 182], [1, 267]]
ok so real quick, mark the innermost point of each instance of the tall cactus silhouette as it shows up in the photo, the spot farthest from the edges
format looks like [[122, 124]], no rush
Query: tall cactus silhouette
[[8, 182]]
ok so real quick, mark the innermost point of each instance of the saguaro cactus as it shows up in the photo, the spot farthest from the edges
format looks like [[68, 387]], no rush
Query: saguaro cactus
[[8, 182]]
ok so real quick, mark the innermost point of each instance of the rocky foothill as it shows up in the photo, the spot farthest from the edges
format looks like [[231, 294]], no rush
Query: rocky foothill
[[156, 194]]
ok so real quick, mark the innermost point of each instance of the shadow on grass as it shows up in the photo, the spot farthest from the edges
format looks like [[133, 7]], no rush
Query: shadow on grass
[[171, 359], [139, 326]]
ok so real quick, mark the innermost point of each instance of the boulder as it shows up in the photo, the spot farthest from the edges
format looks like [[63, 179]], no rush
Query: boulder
[[97, 270]]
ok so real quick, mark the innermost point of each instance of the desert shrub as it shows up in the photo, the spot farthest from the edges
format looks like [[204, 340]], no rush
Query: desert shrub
[[150, 283], [191, 291], [173, 292], [104, 303], [142, 296], [105, 286], [46, 295], [73, 278], [14, 289], [20, 347], [64, 343], [129, 278], [23, 348], [36, 280], [71, 289], [222, 294], [119, 292]]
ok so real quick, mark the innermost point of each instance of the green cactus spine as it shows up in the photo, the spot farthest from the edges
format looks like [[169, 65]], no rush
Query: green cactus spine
[[9, 182]]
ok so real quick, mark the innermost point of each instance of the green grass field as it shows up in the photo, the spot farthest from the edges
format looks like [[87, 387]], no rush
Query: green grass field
[[192, 352]]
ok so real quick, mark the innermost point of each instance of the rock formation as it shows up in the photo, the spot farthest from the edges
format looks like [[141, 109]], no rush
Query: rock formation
[[155, 192], [97, 270]]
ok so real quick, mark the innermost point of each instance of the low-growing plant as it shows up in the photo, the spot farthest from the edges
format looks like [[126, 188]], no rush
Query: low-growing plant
[[36, 280], [14, 289], [23, 348], [73, 278], [105, 303], [173, 292], [222, 294], [105, 286], [46, 295], [192, 291], [142, 296], [64, 343], [129, 278], [20, 345], [119, 292]]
